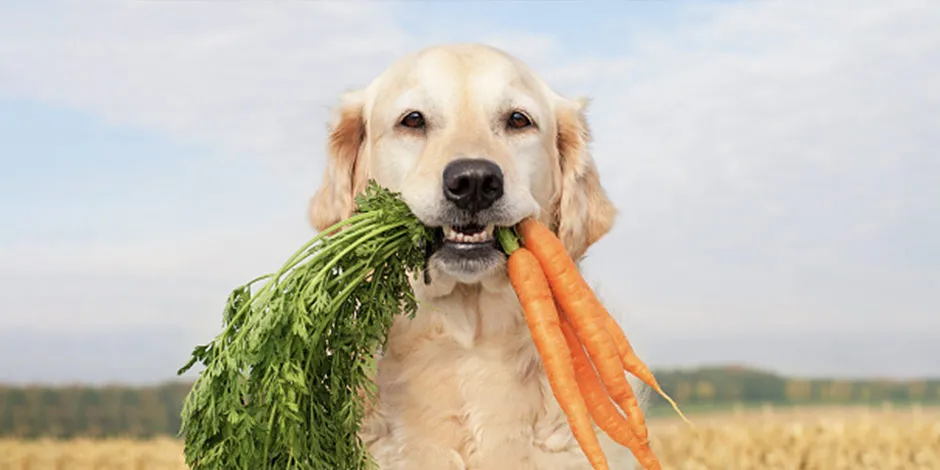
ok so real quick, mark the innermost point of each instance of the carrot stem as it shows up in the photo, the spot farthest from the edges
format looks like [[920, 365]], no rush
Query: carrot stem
[[508, 239]]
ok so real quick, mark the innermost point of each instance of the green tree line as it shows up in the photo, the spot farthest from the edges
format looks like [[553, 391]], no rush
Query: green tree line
[[726, 385], [140, 412], [73, 411]]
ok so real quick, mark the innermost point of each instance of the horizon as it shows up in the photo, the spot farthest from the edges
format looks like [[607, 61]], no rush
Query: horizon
[[774, 167]]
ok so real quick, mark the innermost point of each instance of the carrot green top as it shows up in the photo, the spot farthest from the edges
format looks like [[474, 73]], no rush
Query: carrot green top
[[281, 383]]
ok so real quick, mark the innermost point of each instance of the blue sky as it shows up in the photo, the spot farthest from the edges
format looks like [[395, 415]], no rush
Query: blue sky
[[774, 163], [77, 178]]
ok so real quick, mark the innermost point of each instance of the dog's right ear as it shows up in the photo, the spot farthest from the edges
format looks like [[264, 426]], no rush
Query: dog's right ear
[[345, 172]]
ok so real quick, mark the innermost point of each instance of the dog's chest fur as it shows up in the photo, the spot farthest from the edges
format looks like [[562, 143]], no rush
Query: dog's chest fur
[[461, 387]]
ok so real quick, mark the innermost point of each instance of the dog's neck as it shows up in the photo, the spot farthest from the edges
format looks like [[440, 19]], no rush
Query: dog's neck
[[470, 313]]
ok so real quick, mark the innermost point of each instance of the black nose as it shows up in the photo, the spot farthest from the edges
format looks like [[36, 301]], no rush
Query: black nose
[[473, 184]]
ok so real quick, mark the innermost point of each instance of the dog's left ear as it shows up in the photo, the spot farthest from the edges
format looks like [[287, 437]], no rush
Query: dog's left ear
[[582, 212], [344, 175]]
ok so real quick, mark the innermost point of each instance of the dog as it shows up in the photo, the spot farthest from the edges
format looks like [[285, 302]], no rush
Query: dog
[[472, 139]]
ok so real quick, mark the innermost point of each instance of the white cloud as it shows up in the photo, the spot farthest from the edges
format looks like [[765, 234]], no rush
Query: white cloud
[[244, 76], [240, 75], [171, 281], [770, 160]]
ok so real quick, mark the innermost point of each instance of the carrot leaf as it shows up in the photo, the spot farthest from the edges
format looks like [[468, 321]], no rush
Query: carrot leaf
[[281, 385]]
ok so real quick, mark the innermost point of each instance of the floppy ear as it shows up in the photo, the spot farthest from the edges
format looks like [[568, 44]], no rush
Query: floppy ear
[[345, 172], [582, 212]]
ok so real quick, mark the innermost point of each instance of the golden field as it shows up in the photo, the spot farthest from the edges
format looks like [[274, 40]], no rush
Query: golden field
[[803, 439], [765, 439]]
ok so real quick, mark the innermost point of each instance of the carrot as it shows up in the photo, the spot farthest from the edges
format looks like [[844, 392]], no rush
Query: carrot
[[590, 334], [576, 298], [604, 413], [633, 364], [552, 247], [535, 296]]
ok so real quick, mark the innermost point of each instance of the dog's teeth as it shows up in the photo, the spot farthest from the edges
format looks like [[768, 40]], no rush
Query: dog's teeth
[[450, 233]]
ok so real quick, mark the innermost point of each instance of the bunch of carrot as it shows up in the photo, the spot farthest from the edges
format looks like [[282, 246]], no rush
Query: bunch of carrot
[[584, 352]]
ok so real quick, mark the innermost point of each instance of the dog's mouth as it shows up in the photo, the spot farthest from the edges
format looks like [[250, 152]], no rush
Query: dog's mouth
[[466, 250]]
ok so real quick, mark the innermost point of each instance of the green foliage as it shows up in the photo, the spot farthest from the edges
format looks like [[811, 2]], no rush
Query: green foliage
[[282, 382], [726, 385], [81, 411]]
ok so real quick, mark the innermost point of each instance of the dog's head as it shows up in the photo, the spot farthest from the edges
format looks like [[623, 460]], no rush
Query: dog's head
[[472, 139]]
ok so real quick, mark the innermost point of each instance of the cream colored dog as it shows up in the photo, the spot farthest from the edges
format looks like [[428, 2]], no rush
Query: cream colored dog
[[472, 139]]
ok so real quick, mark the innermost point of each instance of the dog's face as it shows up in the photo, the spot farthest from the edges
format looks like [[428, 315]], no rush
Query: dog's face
[[472, 139]]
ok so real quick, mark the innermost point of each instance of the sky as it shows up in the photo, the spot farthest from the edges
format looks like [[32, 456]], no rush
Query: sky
[[775, 166]]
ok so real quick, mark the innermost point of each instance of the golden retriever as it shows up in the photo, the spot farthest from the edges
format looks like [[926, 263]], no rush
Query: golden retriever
[[472, 139]]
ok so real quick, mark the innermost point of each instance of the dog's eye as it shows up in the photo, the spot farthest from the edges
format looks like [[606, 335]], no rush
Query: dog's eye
[[414, 120], [518, 120]]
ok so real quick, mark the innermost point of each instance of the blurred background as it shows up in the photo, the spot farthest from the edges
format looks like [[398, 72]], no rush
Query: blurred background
[[775, 165]]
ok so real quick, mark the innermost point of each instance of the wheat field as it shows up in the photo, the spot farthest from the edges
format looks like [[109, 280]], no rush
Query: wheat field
[[765, 439]]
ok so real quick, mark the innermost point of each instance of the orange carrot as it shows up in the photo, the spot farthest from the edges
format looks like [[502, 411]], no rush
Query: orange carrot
[[604, 413], [535, 296], [633, 364], [586, 313]]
